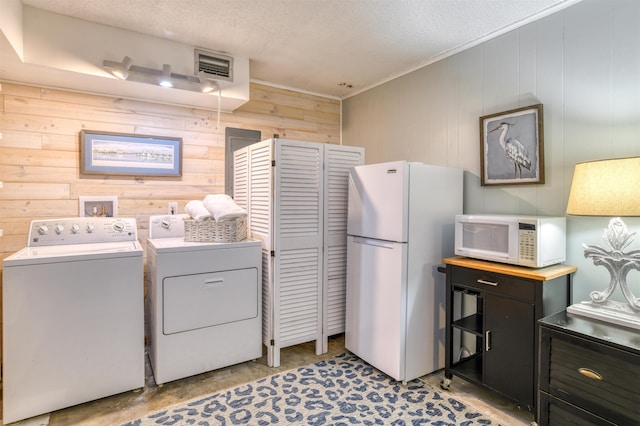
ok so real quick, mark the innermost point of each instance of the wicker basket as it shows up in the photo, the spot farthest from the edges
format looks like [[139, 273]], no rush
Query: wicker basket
[[212, 231]]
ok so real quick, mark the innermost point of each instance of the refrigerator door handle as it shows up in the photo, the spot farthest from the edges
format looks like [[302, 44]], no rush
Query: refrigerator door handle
[[373, 242]]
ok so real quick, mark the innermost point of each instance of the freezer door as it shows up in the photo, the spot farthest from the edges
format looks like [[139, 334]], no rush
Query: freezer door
[[376, 303], [378, 198]]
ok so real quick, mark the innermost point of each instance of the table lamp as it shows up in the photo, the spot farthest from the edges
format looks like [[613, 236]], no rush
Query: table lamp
[[609, 188]]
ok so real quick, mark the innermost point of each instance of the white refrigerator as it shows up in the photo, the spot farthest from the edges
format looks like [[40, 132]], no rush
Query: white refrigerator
[[400, 224]]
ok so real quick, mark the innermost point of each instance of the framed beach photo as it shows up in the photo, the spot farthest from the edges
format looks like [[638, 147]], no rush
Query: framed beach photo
[[134, 155], [512, 147]]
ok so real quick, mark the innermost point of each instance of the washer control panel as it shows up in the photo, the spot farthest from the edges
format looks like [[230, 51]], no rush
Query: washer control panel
[[81, 230]]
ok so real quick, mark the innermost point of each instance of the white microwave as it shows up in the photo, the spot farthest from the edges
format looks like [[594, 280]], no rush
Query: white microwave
[[533, 241]]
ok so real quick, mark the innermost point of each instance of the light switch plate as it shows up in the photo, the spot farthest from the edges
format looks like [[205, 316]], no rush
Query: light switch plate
[[173, 207]]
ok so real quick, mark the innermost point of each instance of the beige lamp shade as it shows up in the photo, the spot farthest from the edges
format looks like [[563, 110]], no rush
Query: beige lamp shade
[[606, 188]]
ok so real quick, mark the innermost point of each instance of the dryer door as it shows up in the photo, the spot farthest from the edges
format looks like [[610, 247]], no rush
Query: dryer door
[[206, 300]]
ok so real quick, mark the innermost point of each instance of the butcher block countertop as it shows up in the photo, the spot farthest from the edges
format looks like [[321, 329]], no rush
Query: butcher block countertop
[[541, 274]]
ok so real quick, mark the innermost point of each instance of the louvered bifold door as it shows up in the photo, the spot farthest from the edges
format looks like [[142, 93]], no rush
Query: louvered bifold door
[[297, 232], [241, 178], [338, 160], [259, 207]]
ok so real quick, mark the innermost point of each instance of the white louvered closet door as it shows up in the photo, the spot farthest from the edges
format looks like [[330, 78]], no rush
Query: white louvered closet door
[[297, 236], [252, 189], [241, 178], [260, 208], [337, 162]]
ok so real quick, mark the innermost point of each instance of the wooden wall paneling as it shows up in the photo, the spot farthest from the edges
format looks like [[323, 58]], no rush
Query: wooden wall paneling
[[39, 151], [13, 139], [268, 108], [55, 109], [18, 89], [255, 116], [303, 101], [28, 173], [39, 157], [59, 142], [30, 191], [129, 106], [56, 125], [35, 209]]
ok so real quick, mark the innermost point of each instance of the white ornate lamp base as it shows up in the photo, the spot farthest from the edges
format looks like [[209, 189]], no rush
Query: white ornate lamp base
[[618, 263], [610, 311]]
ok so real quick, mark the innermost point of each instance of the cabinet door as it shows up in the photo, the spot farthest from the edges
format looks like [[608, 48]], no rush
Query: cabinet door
[[509, 348]]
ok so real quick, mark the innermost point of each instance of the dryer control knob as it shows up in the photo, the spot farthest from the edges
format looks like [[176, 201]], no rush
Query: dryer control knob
[[118, 226], [59, 229], [75, 228], [90, 228], [43, 229], [166, 223]]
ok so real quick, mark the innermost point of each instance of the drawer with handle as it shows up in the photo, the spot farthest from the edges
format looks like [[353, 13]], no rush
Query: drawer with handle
[[588, 374], [504, 285]]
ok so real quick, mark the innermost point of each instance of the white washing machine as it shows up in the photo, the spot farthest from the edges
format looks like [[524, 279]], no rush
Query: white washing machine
[[204, 301], [72, 315]]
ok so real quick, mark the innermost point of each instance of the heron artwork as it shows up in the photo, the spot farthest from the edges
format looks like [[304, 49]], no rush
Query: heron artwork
[[513, 149]]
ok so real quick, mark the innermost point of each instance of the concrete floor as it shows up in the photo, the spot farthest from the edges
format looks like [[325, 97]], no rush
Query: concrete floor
[[127, 406]]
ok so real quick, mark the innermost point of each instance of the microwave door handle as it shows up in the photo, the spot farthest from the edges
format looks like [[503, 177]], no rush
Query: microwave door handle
[[491, 283]]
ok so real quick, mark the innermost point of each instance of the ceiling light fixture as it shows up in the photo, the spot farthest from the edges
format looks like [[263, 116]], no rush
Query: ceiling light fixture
[[125, 70], [121, 70], [165, 80], [205, 84]]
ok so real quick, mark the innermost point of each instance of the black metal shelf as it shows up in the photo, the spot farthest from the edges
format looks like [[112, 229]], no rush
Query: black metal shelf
[[471, 324], [470, 368]]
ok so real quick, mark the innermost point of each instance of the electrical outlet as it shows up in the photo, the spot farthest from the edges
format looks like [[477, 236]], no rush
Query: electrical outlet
[[173, 207]]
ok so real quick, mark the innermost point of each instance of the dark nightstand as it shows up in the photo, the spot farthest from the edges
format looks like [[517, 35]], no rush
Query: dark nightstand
[[589, 372]]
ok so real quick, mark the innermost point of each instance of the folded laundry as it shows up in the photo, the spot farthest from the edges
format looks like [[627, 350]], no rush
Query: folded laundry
[[197, 210], [222, 206]]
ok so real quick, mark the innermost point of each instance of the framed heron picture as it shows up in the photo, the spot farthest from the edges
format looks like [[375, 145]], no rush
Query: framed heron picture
[[512, 147]]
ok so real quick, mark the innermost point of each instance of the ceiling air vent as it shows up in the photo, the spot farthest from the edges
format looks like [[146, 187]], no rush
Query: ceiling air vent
[[214, 65]]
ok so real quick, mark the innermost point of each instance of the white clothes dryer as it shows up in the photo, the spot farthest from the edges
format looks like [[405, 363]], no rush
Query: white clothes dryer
[[72, 315], [204, 301]]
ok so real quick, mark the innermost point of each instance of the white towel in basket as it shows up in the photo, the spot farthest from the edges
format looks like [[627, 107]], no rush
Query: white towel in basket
[[222, 206], [197, 210]]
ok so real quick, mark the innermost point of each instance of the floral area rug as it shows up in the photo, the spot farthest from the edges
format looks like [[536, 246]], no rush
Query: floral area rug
[[342, 390]]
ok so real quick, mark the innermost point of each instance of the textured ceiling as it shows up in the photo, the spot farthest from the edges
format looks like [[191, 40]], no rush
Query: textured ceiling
[[330, 47]]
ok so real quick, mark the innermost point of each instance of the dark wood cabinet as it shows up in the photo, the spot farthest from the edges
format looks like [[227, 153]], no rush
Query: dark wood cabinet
[[509, 346], [491, 332], [589, 372]]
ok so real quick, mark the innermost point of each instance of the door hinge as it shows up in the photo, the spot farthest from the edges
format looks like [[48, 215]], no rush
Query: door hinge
[[273, 163], [272, 342], [273, 253]]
